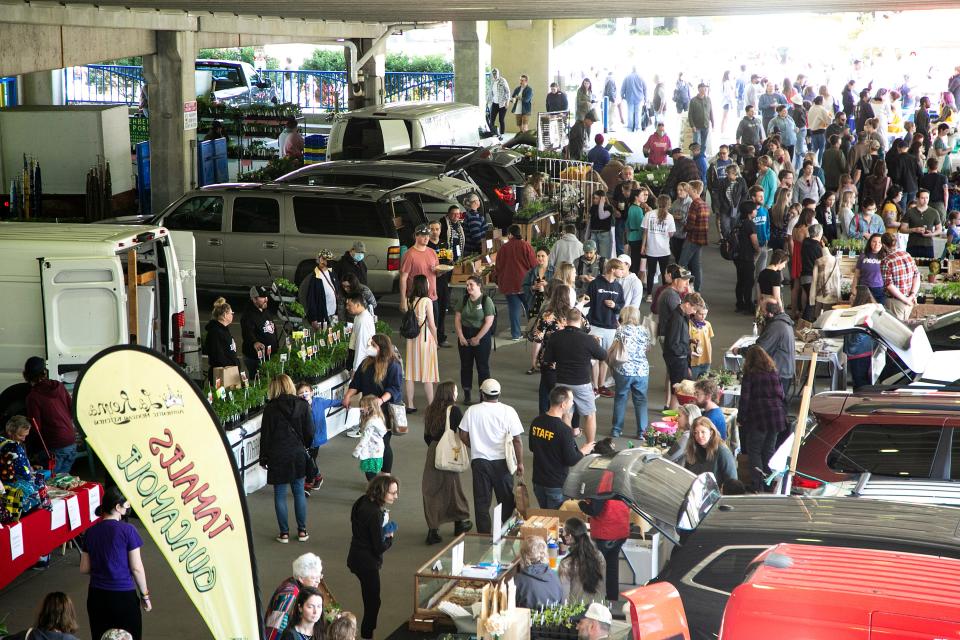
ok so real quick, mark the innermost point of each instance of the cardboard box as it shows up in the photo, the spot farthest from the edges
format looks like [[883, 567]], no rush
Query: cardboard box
[[544, 526]]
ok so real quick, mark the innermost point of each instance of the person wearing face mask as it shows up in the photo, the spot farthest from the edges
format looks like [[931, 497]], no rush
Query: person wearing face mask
[[352, 262], [260, 330], [379, 374], [318, 292]]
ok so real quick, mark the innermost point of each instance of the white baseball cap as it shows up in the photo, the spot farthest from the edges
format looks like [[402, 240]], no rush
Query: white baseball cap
[[599, 613], [624, 258], [490, 387]]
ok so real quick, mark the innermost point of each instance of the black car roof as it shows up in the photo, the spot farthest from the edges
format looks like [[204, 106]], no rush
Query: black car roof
[[797, 517]]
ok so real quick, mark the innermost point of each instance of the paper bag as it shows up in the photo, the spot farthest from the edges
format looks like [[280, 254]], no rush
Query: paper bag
[[229, 377], [521, 495]]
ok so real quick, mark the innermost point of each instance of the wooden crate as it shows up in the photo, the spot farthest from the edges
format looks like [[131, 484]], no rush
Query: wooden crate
[[544, 526]]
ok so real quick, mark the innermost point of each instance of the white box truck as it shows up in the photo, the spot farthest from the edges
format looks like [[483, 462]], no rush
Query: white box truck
[[71, 290]]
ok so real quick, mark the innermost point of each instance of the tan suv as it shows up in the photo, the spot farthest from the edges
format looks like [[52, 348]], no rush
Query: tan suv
[[249, 233]]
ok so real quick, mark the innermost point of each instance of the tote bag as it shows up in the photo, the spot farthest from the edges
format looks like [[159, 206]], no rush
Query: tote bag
[[451, 454]]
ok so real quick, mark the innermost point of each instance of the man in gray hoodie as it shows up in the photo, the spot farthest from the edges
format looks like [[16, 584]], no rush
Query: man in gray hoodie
[[567, 249], [778, 340]]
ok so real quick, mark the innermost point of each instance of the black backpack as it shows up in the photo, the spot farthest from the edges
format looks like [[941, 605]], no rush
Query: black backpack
[[730, 245], [409, 327]]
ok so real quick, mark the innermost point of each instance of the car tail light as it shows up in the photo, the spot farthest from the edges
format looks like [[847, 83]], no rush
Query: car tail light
[[393, 259], [605, 485], [802, 482], [179, 320], [507, 195]]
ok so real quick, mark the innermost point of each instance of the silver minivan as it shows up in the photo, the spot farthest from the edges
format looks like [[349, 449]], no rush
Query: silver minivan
[[249, 233]]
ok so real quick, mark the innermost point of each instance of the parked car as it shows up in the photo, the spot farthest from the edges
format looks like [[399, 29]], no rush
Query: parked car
[[372, 131], [494, 170], [905, 436], [917, 490], [236, 82], [249, 233], [718, 538], [385, 174]]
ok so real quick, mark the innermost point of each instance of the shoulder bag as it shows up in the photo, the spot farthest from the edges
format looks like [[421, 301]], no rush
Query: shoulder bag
[[510, 454], [398, 418], [451, 454], [617, 354]]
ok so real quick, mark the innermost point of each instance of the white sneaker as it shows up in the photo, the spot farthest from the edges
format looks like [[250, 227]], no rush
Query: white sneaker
[[353, 433]]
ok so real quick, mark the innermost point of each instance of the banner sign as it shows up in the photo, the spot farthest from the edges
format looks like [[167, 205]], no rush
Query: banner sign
[[162, 444]]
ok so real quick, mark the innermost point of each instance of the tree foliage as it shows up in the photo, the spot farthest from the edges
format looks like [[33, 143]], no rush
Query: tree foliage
[[242, 54], [329, 60]]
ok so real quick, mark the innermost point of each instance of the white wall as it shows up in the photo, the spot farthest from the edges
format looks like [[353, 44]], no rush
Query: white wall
[[66, 140]]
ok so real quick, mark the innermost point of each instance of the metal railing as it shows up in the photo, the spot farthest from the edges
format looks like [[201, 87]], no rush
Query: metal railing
[[402, 86], [8, 92], [322, 90], [103, 84], [317, 90]]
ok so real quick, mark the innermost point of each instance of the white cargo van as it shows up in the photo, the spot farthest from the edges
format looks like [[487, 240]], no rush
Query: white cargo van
[[373, 131], [71, 290]]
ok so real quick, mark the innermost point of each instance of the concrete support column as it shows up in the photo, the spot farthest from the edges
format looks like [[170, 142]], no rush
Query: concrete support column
[[523, 47], [468, 63], [170, 82], [369, 91], [42, 88]]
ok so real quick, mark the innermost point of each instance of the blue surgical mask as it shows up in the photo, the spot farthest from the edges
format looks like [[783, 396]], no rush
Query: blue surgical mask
[[358, 257]]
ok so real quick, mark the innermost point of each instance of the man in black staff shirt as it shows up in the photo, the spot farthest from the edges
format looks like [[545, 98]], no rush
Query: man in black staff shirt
[[676, 341], [260, 330], [554, 449], [572, 350]]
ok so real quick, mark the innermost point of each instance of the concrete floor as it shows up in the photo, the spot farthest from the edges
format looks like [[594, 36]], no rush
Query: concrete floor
[[174, 617]]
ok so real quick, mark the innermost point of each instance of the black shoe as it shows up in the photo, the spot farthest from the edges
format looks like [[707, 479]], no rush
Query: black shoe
[[411, 410], [466, 398], [462, 526], [433, 536]]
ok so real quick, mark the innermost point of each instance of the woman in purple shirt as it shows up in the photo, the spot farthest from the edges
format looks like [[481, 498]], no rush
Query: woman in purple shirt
[[867, 272], [111, 556]]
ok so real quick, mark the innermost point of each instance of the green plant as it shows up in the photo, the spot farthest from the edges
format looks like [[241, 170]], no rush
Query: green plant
[[724, 377], [848, 244], [274, 169], [384, 328], [297, 309], [530, 210], [285, 285]]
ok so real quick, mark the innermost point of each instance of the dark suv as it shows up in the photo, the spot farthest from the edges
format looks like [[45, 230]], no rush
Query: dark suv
[[718, 538], [492, 169]]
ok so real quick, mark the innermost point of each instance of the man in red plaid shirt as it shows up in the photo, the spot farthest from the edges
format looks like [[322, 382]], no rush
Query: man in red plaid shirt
[[698, 224], [901, 279]]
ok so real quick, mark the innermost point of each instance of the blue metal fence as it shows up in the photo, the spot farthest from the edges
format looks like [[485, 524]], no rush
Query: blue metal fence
[[8, 92], [103, 83], [317, 90]]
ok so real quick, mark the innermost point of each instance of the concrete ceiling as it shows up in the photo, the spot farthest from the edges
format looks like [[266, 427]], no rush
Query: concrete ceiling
[[399, 11]]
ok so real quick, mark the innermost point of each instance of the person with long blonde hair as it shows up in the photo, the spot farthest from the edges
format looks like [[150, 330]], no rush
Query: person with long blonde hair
[[286, 432]]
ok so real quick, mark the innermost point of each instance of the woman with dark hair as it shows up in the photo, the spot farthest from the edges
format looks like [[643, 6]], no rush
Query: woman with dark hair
[[583, 570], [421, 362], [609, 526], [474, 325], [859, 346], [306, 623], [706, 451], [892, 209], [350, 285], [111, 556], [867, 272], [56, 620], [585, 98], [827, 216], [443, 497], [761, 415], [876, 184], [748, 249], [380, 374], [285, 435], [552, 319], [372, 535]]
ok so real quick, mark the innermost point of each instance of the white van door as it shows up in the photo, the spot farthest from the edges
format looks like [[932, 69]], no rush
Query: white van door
[[84, 310], [185, 326]]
